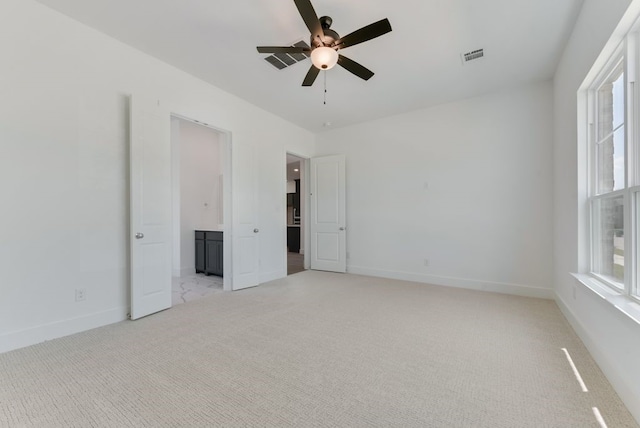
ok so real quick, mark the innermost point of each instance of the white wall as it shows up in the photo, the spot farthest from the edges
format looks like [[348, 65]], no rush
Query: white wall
[[200, 167], [612, 338], [64, 168], [466, 185], [485, 217]]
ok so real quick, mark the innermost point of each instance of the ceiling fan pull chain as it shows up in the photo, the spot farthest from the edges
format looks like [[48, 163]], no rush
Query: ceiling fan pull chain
[[325, 88]]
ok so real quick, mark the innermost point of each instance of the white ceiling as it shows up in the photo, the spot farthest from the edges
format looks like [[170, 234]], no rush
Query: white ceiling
[[417, 65]]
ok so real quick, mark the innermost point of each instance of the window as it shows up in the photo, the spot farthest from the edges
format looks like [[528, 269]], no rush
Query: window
[[614, 194]]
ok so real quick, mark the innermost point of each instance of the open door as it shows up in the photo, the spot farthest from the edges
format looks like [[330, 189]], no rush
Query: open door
[[328, 214], [150, 203], [245, 248]]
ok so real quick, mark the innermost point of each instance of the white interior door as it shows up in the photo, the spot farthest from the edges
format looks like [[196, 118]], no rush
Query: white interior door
[[245, 247], [328, 214], [150, 203]]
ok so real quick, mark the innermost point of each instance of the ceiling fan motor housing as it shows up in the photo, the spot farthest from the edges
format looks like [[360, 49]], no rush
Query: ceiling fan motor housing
[[330, 36]]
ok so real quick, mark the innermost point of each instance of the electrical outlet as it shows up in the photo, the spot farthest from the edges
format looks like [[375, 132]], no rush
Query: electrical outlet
[[81, 294], [426, 262], [348, 255]]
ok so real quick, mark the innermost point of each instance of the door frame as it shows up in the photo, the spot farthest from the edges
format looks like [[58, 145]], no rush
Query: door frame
[[226, 152], [304, 219]]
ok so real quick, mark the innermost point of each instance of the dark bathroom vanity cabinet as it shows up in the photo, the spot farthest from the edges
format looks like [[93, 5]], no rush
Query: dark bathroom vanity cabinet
[[209, 252]]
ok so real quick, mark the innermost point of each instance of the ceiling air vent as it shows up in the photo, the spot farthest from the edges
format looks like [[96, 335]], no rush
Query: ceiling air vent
[[470, 56], [281, 60]]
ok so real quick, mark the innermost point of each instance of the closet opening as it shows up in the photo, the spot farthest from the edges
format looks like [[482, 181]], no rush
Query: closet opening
[[198, 160]]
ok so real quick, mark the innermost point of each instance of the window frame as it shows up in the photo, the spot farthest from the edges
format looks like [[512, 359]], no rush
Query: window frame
[[626, 53]]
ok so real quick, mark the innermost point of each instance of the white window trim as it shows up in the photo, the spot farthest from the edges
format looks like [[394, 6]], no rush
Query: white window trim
[[624, 45], [619, 56], [628, 306]]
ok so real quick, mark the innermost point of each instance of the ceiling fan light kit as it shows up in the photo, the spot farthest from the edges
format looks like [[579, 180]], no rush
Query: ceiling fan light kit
[[325, 43], [324, 58]]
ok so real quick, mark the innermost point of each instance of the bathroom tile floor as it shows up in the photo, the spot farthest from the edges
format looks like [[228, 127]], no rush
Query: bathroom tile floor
[[195, 286], [198, 285]]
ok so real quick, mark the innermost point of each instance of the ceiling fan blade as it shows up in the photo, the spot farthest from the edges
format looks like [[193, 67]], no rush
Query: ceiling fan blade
[[369, 32], [283, 49], [311, 76], [355, 68], [310, 18]]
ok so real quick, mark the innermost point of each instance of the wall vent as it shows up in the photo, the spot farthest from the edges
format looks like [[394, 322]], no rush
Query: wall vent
[[281, 61], [470, 56]]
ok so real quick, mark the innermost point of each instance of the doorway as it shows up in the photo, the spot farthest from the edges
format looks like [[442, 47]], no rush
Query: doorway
[[295, 209], [197, 153]]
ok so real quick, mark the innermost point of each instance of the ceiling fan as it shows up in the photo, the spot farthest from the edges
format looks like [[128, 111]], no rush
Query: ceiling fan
[[325, 43]]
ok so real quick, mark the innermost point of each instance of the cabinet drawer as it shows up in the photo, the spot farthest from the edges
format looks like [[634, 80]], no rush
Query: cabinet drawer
[[199, 234], [213, 236]]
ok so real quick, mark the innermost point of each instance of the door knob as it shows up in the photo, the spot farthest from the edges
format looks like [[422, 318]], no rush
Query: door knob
[[256, 230], [139, 235], [342, 228]]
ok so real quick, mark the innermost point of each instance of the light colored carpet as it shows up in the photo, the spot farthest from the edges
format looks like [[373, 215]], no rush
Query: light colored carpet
[[317, 350]]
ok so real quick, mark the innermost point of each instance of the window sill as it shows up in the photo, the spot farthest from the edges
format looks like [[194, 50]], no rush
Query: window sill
[[623, 303]]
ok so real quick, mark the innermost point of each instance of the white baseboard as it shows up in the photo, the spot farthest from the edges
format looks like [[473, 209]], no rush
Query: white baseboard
[[471, 284], [606, 362], [41, 333]]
